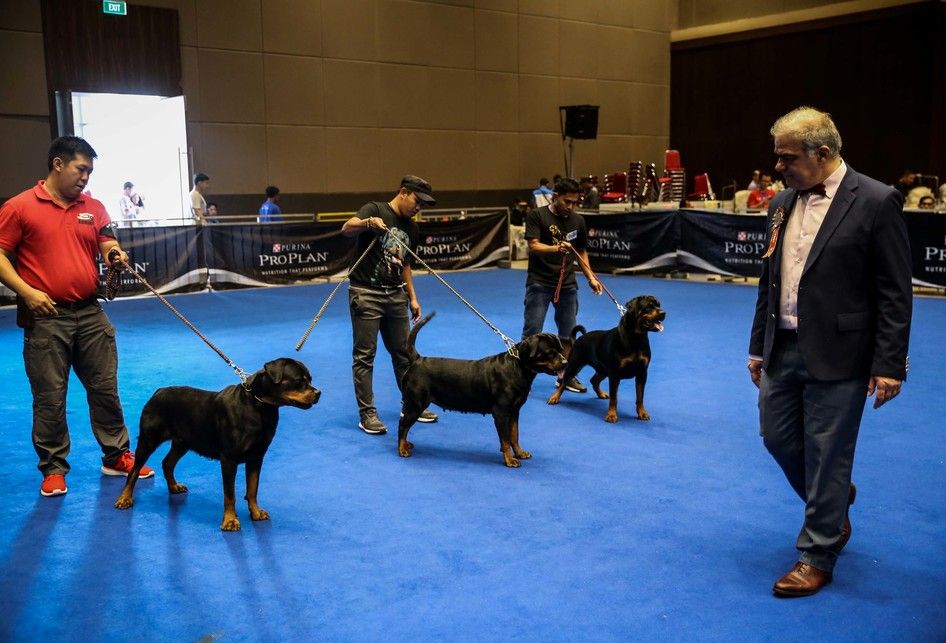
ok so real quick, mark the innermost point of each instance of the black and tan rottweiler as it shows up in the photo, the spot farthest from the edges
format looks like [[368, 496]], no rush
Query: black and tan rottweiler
[[617, 354], [233, 426], [498, 385]]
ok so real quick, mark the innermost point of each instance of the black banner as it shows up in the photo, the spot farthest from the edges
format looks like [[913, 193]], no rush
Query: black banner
[[263, 255], [473, 242], [182, 258], [928, 247], [166, 257], [725, 244], [628, 242]]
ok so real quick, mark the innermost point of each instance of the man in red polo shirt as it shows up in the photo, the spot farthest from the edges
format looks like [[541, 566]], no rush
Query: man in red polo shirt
[[54, 233]]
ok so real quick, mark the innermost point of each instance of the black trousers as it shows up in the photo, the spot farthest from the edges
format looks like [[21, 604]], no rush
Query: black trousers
[[373, 312], [810, 427]]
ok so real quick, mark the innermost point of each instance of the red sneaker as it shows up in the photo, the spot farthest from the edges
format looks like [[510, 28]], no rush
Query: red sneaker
[[54, 485], [124, 465]]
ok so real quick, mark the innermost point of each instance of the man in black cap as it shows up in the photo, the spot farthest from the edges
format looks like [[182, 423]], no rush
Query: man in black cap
[[382, 289]]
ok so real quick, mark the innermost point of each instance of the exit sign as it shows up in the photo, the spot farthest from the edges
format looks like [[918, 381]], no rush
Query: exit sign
[[114, 7]]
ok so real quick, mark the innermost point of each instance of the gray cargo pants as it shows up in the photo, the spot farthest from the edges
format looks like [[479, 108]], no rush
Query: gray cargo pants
[[372, 311], [82, 339]]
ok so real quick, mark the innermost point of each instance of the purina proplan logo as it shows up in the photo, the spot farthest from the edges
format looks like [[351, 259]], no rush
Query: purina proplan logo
[[444, 244], [746, 243], [607, 240], [935, 255], [292, 254]]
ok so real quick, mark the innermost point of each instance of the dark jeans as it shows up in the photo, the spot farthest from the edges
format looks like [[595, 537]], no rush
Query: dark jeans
[[83, 340], [810, 427], [372, 311], [537, 300]]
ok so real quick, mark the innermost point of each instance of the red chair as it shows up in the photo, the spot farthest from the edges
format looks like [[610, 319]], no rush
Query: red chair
[[672, 160], [665, 188], [615, 188], [702, 189]]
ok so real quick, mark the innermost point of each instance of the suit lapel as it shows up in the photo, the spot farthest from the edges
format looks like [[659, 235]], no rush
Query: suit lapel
[[840, 206], [789, 205]]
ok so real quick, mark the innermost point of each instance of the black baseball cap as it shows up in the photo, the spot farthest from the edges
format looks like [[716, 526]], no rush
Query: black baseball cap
[[420, 188]]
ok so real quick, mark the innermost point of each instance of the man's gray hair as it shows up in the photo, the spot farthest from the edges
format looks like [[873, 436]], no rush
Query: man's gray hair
[[810, 127]]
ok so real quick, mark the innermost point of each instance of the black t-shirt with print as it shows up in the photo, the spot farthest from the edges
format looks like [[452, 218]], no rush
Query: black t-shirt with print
[[544, 267], [381, 268]]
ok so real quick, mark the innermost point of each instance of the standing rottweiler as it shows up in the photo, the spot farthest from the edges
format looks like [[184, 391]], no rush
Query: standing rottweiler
[[498, 385], [233, 426], [618, 354]]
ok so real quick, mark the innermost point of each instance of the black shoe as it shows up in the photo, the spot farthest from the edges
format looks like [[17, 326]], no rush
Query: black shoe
[[574, 385], [372, 425], [427, 416]]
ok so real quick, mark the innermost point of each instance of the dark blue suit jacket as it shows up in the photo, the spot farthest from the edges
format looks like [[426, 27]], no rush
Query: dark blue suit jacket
[[855, 298]]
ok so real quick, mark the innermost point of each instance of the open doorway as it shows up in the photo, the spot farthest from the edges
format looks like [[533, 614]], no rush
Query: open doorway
[[140, 140]]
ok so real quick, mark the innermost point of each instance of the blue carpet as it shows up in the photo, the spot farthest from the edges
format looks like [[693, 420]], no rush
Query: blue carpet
[[673, 529]]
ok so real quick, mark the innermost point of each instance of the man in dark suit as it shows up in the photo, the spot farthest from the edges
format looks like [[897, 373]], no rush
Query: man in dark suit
[[832, 323]]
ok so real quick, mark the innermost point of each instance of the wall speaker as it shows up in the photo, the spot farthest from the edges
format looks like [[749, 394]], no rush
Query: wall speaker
[[581, 121]]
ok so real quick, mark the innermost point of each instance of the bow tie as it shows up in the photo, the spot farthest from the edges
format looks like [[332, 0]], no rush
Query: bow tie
[[815, 189]]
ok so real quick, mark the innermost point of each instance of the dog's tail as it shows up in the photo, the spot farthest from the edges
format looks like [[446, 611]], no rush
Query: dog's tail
[[412, 353], [578, 329]]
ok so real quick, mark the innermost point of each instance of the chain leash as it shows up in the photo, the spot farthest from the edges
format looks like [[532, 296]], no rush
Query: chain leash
[[509, 342], [113, 285], [318, 315]]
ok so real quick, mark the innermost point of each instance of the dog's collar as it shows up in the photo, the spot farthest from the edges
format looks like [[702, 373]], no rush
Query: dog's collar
[[264, 401]]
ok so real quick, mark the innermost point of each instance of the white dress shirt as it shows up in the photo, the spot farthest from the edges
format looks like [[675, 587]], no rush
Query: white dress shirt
[[800, 232]]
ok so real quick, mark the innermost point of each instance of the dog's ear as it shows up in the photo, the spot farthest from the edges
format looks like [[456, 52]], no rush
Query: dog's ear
[[274, 370]]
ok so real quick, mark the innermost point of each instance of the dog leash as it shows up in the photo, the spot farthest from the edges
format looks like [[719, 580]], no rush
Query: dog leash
[[318, 315], [557, 236], [510, 344], [113, 285], [561, 279]]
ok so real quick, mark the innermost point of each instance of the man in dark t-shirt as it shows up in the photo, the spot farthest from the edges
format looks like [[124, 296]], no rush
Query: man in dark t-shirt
[[545, 265], [382, 289]]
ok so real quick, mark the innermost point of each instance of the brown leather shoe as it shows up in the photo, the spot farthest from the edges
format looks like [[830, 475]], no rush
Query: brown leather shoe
[[846, 527], [802, 580]]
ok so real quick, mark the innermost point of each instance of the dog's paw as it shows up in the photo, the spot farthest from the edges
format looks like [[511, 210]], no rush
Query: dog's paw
[[177, 487], [124, 502], [642, 414], [554, 398], [512, 463], [259, 514], [523, 455], [230, 524], [611, 416], [602, 395], [405, 449]]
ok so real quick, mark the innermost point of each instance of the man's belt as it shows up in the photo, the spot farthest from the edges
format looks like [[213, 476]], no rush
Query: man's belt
[[76, 305], [376, 291]]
